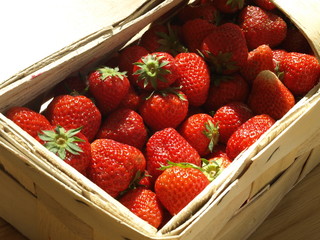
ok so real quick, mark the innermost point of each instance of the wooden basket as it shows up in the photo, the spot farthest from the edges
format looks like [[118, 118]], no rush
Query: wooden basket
[[45, 198]]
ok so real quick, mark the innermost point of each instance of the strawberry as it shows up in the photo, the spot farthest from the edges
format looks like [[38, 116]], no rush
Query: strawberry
[[145, 204], [150, 38], [194, 77], [177, 186], [164, 109], [259, 59], [126, 126], [232, 88], [262, 27], [155, 71], [168, 145], [270, 96], [29, 120], [70, 85], [109, 87], [301, 72], [228, 6], [225, 48], [70, 145], [223, 161], [247, 134], [295, 41], [114, 165], [73, 112], [200, 131], [277, 57], [128, 56], [194, 31], [229, 118], [264, 4], [132, 100]]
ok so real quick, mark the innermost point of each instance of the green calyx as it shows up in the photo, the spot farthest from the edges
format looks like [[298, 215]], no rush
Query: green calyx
[[151, 70], [212, 133], [111, 72], [221, 62], [60, 141], [211, 169], [238, 4]]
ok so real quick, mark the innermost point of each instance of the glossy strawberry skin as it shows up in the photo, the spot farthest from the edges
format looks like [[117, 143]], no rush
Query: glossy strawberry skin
[[225, 48], [145, 204], [168, 145], [194, 77], [232, 89], [207, 12], [177, 186], [70, 85], [301, 72], [247, 134], [108, 91], [265, 4], [261, 27], [229, 118], [270, 96], [162, 111], [72, 112], [132, 100], [126, 126], [29, 120], [149, 40], [114, 165], [196, 130]]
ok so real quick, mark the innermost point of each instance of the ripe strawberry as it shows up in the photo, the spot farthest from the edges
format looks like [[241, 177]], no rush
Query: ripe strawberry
[[132, 100], [168, 145], [277, 57], [126, 126], [264, 4], [194, 31], [178, 186], [223, 161], [155, 71], [228, 6], [270, 96], [128, 56], [70, 85], [73, 112], [247, 134], [70, 145], [262, 27], [150, 39], [145, 204], [230, 89], [201, 132], [259, 59], [164, 109], [109, 87], [194, 77], [29, 120], [225, 48], [301, 72], [114, 165], [229, 118], [295, 41]]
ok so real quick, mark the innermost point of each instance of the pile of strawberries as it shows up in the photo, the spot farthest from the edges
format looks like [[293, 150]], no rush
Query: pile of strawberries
[[165, 115]]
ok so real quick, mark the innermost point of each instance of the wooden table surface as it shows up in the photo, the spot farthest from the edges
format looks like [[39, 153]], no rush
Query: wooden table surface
[[297, 216]]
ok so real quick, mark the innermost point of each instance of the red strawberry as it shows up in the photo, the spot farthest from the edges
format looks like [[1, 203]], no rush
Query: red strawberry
[[247, 134], [262, 27], [265, 4], [229, 118], [109, 87], [73, 112], [114, 165], [126, 126], [29, 120], [128, 56], [194, 77], [149, 40], [132, 100], [178, 186], [164, 109], [225, 48], [200, 131], [277, 57], [295, 41], [207, 12], [270, 96], [168, 145], [155, 71], [301, 72], [145, 204], [194, 31], [70, 145], [259, 59], [228, 6], [223, 161], [71, 85], [230, 89]]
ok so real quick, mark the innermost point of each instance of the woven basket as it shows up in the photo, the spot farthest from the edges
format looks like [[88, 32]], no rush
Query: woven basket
[[45, 198]]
